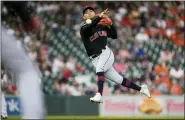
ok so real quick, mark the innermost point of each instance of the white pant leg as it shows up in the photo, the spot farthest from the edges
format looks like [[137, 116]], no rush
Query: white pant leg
[[112, 75], [15, 59], [3, 105], [104, 61]]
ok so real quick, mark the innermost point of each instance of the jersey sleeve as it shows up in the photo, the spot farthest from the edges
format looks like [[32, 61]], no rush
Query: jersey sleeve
[[81, 31], [87, 27], [112, 32]]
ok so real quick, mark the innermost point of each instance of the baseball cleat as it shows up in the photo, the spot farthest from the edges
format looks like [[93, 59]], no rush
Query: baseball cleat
[[144, 90], [97, 98]]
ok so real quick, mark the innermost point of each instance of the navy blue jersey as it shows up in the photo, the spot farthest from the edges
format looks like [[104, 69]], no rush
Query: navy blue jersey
[[95, 37]]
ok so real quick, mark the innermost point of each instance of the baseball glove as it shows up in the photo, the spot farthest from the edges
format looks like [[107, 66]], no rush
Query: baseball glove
[[106, 21]]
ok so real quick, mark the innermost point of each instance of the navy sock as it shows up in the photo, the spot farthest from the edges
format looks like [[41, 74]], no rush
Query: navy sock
[[101, 79], [129, 84]]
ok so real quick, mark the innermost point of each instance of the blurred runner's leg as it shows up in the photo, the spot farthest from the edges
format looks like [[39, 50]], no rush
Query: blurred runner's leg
[[15, 59]]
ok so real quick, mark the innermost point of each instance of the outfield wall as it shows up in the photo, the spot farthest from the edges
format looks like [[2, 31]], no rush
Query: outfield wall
[[58, 105], [112, 106]]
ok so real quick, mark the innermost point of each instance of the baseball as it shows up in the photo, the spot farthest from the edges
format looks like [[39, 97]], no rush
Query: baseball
[[88, 21]]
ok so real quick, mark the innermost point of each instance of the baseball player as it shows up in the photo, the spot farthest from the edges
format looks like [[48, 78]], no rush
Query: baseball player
[[94, 33], [15, 59]]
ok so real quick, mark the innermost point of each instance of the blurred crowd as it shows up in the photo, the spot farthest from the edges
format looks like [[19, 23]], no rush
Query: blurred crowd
[[7, 86], [137, 21]]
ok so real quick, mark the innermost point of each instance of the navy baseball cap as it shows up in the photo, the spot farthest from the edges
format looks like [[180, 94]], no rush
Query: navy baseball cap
[[87, 8]]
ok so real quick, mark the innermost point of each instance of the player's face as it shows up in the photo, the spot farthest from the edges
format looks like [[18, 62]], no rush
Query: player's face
[[89, 14]]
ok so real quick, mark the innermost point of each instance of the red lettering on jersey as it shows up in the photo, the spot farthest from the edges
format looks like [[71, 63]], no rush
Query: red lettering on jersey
[[98, 34]]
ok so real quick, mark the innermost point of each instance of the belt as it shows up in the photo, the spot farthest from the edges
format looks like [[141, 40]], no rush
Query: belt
[[94, 56]]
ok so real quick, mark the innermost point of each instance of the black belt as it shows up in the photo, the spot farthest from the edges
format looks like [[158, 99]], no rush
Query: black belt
[[94, 56]]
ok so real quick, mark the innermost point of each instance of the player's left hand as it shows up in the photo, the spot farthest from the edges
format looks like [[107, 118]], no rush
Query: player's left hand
[[105, 21]]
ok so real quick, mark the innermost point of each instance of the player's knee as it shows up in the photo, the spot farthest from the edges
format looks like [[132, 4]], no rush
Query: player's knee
[[101, 76], [100, 73]]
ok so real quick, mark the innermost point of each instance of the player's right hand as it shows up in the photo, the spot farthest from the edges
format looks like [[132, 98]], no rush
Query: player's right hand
[[103, 14]]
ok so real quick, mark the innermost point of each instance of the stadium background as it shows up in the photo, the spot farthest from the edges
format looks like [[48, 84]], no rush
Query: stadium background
[[149, 49]]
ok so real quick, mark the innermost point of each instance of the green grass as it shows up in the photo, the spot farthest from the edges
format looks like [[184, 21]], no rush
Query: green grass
[[103, 118]]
